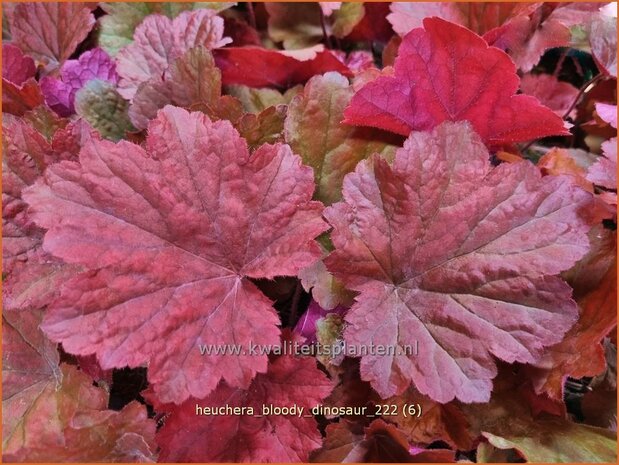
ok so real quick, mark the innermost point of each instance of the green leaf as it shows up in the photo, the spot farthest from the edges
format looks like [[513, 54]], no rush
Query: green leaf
[[346, 18], [102, 106], [314, 130]]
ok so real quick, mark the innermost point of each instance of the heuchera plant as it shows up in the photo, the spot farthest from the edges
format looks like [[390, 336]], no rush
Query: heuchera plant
[[327, 232]]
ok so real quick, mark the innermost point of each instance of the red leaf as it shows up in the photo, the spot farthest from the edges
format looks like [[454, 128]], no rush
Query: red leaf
[[159, 40], [176, 230], [556, 95], [240, 32], [260, 67], [71, 423], [32, 276], [16, 67], [50, 31], [374, 25], [19, 99], [454, 258], [580, 353], [20, 91], [29, 364], [524, 30], [247, 437], [447, 73], [379, 442]]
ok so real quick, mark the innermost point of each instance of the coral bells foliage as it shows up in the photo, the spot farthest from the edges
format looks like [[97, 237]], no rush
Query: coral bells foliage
[[427, 188]]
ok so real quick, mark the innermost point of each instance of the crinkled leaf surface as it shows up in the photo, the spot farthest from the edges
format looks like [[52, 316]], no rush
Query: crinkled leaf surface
[[314, 130], [29, 365], [192, 79], [117, 26], [31, 277], [159, 40], [60, 92], [175, 231], [266, 127], [457, 258], [99, 103], [445, 72], [187, 437], [70, 423], [261, 67], [50, 31]]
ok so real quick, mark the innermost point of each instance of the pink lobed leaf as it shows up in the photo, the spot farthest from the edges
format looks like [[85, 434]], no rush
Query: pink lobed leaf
[[175, 230], [457, 259], [445, 72], [191, 79], [230, 438], [16, 67], [50, 31], [159, 40]]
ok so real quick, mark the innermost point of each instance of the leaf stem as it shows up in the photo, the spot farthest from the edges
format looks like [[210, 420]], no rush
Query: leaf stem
[[581, 92]]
